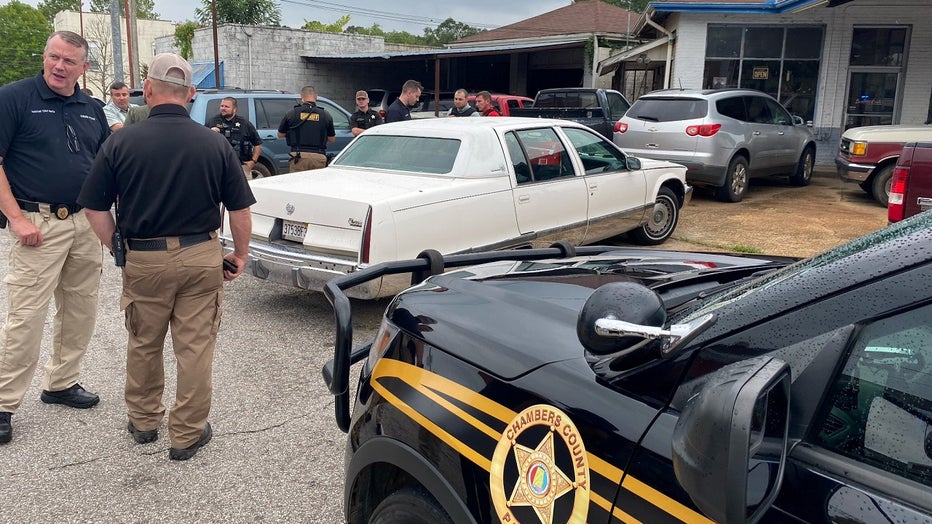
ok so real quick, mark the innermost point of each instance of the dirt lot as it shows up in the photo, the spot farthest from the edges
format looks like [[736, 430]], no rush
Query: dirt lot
[[779, 219]]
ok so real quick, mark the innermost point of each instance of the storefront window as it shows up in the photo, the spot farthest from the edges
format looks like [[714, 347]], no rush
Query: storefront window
[[873, 46], [763, 42], [876, 66], [780, 61]]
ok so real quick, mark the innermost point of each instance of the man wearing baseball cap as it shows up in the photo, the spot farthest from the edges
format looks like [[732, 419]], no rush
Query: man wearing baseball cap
[[364, 118], [169, 175]]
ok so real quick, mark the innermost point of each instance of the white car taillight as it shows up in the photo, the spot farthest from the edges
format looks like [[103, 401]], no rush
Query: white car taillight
[[366, 238], [620, 127]]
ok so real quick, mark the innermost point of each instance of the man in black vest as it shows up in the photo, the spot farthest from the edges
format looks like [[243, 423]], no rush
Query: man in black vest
[[239, 132], [461, 105], [308, 129]]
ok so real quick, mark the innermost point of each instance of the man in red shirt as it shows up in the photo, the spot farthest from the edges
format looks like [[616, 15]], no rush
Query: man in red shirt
[[484, 104]]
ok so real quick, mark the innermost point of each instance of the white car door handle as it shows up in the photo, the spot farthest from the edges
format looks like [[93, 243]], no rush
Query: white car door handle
[[593, 186], [756, 133], [270, 137], [524, 199], [781, 133]]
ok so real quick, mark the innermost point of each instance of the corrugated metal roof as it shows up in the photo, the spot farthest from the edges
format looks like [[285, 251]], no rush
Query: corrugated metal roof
[[740, 6], [445, 52], [582, 16]]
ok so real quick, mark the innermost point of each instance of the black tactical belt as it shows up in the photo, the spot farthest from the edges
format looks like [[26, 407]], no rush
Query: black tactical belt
[[309, 150], [161, 244], [62, 211]]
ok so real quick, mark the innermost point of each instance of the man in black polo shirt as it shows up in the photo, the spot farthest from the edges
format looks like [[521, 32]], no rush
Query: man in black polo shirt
[[170, 175], [49, 133], [307, 129], [400, 109], [364, 117]]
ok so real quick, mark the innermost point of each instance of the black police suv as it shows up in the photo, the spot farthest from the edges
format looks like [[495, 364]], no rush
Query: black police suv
[[618, 385]]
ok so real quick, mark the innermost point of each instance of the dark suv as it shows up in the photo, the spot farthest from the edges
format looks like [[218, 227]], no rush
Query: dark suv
[[723, 137], [265, 110]]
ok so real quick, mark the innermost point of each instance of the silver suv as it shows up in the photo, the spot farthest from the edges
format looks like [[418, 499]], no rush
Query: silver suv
[[723, 137]]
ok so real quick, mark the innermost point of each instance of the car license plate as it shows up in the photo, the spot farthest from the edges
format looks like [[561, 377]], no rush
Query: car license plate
[[293, 230]]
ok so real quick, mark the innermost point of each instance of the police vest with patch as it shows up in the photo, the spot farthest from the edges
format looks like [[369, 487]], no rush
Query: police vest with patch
[[304, 130], [234, 131]]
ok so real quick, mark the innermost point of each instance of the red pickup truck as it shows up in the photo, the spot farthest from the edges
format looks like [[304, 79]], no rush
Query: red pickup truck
[[911, 189], [867, 155], [505, 103]]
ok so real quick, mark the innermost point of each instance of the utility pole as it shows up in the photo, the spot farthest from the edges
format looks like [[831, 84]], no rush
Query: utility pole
[[133, 43], [81, 26], [213, 12], [117, 42], [129, 42]]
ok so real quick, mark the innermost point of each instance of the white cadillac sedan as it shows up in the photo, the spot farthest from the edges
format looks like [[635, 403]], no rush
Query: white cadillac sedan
[[456, 185]]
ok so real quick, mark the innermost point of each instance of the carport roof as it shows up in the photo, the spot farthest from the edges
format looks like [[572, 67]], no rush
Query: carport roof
[[569, 41], [741, 6]]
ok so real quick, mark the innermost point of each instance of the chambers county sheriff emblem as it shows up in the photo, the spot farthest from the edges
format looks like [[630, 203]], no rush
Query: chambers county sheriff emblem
[[540, 470]]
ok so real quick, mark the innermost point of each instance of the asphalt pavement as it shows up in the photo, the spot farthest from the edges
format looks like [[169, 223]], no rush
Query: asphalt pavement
[[276, 454]]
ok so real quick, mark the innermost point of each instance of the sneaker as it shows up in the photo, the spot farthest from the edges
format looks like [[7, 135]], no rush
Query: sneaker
[[6, 427], [190, 451], [73, 397], [142, 437]]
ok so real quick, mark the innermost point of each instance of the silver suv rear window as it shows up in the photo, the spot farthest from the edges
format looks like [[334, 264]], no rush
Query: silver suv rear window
[[668, 109]]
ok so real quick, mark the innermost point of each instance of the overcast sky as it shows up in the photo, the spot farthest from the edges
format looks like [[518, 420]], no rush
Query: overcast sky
[[411, 16]]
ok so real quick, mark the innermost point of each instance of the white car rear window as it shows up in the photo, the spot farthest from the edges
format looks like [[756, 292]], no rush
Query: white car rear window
[[401, 153]]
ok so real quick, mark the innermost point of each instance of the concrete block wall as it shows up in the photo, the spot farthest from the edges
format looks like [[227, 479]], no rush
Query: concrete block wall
[[257, 57]]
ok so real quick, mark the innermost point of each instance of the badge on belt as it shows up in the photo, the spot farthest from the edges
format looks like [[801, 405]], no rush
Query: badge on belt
[[62, 212]]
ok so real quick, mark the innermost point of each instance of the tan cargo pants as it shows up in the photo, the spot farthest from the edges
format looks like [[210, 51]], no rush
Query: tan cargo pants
[[67, 267], [180, 288], [308, 161]]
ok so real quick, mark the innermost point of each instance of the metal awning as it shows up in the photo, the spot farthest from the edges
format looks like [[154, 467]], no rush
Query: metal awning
[[204, 77], [611, 63], [440, 53]]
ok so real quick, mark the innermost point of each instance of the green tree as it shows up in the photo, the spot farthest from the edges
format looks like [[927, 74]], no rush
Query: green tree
[[245, 12], [404, 37], [392, 37], [374, 30], [448, 31], [145, 9], [50, 8], [23, 32], [336, 27], [184, 35]]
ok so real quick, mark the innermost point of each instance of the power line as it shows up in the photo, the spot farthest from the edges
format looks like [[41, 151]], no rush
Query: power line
[[374, 13]]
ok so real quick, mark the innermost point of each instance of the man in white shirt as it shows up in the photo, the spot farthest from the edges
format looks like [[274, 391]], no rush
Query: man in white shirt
[[118, 106]]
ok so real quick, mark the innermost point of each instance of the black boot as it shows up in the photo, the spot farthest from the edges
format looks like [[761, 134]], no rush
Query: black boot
[[6, 427]]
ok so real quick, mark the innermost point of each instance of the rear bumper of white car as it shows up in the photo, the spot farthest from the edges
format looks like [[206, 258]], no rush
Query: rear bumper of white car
[[298, 269]]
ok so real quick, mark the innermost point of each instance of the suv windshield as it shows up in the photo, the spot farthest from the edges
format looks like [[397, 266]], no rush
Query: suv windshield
[[668, 109]]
